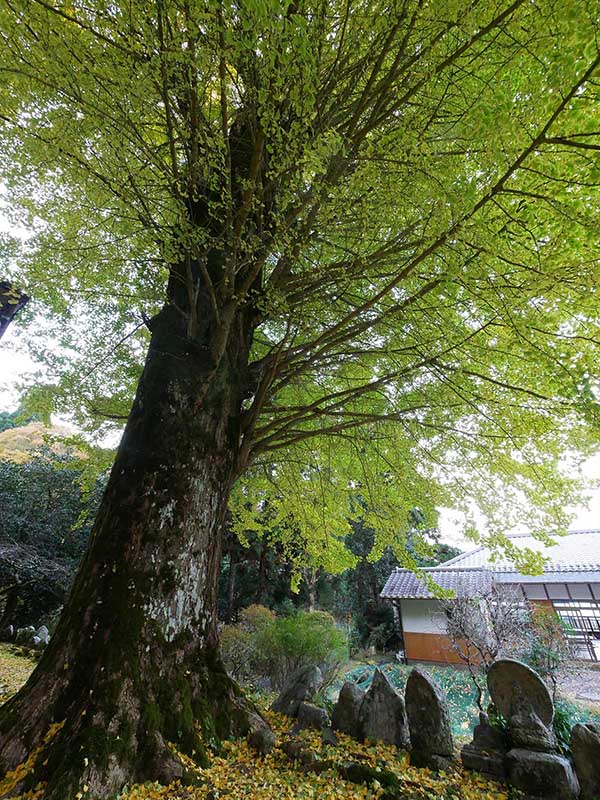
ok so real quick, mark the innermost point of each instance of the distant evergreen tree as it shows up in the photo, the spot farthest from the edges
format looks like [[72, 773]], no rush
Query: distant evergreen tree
[[41, 542]]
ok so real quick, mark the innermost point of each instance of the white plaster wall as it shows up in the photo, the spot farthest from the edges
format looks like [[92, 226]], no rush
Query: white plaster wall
[[535, 591], [580, 591], [557, 591], [422, 616]]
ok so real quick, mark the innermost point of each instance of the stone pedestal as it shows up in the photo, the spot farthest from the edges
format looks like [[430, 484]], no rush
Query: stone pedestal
[[541, 776], [487, 750], [487, 762]]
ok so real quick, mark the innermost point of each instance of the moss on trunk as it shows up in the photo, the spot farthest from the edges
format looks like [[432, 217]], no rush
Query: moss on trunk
[[133, 667]]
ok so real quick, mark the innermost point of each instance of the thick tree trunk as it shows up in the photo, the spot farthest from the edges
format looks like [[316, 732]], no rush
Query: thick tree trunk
[[12, 301], [134, 665], [261, 593], [231, 584]]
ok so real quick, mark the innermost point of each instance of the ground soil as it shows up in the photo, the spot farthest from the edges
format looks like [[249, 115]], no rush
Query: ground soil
[[581, 682]]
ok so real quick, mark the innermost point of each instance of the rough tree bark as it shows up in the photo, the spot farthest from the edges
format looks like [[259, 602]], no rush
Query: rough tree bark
[[12, 301], [134, 665]]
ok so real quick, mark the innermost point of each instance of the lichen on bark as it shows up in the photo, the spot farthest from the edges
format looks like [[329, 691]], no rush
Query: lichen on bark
[[133, 673]]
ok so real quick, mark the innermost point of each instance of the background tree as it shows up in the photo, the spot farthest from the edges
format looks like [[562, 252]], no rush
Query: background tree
[[482, 629], [12, 301], [260, 571], [348, 230], [41, 542], [15, 419]]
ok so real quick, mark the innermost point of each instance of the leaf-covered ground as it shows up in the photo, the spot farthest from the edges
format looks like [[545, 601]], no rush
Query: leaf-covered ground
[[15, 668], [237, 772]]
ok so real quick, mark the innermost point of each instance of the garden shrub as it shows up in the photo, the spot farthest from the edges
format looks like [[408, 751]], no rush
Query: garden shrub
[[255, 617], [262, 645], [238, 642], [238, 652], [304, 638], [562, 724], [550, 647]]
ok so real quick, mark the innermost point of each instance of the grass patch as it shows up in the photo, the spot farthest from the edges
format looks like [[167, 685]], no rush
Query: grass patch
[[15, 668]]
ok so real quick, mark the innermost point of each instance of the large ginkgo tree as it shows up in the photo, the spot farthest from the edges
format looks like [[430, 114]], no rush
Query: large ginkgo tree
[[358, 242]]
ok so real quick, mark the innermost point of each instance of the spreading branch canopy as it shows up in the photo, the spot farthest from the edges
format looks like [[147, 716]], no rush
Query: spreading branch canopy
[[403, 196]]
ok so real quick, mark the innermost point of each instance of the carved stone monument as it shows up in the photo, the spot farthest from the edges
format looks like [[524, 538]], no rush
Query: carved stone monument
[[532, 765], [382, 713], [431, 743]]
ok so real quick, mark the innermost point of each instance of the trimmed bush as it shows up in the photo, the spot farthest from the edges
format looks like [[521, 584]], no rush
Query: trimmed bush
[[255, 617], [238, 642], [299, 640], [263, 645]]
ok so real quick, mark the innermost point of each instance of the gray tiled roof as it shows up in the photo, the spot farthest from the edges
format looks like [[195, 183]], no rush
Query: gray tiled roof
[[466, 582], [569, 576], [577, 551], [574, 558]]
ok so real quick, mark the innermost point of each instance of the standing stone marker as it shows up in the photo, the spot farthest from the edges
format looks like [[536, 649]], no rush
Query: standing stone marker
[[533, 765], [516, 688], [382, 713], [431, 743], [585, 747], [345, 716], [522, 697], [301, 686]]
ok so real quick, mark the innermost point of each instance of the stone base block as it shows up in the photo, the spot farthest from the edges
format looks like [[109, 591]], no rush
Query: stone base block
[[542, 776], [432, 761], [488, 762]]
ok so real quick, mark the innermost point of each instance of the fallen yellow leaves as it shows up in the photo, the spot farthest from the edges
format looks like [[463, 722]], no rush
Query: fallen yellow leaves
[[238, 772], [15, 668], [13, 778]]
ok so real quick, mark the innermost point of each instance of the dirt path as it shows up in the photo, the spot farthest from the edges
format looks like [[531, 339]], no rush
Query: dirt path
[[581, 682]]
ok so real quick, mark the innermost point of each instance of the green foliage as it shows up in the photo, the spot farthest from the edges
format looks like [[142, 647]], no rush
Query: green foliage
[[256, 617], [238, 650], [42, 535], [403, 198], [14, 419], [498, 722], [562, 724], [299, 640], [239, 642], [277, 646]]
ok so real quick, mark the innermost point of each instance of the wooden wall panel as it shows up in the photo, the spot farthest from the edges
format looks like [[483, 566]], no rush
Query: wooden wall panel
[[545, 603], [434, 647]]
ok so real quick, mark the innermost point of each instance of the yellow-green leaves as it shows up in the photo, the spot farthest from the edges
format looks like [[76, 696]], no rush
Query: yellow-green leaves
[[404, 198]]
